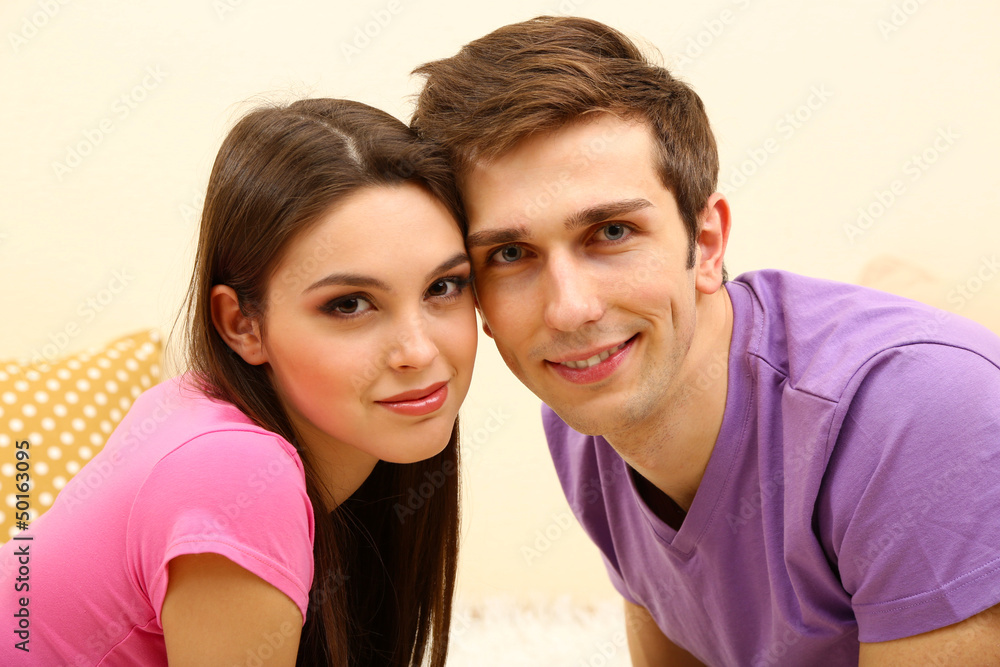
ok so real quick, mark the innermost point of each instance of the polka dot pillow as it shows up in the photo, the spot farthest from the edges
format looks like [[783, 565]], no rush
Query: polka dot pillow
[[65, 410]]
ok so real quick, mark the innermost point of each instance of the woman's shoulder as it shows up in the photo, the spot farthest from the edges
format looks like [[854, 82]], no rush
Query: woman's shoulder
[[179, 414]]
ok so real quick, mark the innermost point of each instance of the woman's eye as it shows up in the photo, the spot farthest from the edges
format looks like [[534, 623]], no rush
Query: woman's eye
[[446, 287], [508, 254], [614, 232], [442, 288], [352, 305]]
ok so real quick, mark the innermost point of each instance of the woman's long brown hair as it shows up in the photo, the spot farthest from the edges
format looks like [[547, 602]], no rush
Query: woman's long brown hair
[[384, 563]]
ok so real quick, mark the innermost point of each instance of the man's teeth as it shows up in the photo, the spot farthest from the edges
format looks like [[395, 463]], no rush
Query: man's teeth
[[596, 359]]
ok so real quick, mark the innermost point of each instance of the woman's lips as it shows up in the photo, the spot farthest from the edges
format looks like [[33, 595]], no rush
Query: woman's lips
[[417, 402]]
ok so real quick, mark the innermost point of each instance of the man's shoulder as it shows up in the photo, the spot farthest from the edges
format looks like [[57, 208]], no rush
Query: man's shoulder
[[820, 333]]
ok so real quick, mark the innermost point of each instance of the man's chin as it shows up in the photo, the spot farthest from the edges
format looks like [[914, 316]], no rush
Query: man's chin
[[588, 420]]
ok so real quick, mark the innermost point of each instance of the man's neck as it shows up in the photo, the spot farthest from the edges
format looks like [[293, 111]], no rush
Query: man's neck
[[672, 450]]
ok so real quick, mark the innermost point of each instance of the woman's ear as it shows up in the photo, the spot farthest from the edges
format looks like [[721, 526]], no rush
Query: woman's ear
[[240, 332]]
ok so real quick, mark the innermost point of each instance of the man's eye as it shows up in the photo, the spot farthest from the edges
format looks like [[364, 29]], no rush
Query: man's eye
[[614, 232], [508, 254]]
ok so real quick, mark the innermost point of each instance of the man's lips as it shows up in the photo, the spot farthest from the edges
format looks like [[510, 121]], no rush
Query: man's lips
[[598, 365], [586, 359]]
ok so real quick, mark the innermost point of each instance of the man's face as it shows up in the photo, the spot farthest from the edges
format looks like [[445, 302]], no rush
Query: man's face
[[580, 261]]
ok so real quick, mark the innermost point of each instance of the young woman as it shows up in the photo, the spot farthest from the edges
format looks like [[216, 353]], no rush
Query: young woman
[[264, 521]]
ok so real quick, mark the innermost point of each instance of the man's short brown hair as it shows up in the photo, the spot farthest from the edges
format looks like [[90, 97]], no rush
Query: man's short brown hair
[[543, 73]]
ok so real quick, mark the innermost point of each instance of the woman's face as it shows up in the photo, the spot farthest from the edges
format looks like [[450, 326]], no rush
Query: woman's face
[[370, 329]]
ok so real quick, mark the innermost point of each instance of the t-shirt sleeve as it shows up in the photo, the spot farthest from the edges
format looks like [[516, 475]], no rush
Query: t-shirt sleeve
[[913, 499], [238, 494]]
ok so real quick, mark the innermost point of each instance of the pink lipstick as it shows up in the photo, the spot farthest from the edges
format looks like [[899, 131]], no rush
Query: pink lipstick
[[417, 402]]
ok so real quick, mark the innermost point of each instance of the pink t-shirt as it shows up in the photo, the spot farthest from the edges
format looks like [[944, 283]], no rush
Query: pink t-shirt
[[182, 474]]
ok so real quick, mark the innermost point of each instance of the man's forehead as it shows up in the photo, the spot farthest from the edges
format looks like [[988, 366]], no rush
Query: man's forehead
[[586, 137], [564, 170]]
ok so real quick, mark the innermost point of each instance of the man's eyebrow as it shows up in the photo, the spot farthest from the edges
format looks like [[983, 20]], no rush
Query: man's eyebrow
[[489, 237], [582, 218], [606, 211], [357, 280]]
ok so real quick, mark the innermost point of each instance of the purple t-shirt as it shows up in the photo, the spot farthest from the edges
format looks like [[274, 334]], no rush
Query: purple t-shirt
[[182, 474], [852, 494]]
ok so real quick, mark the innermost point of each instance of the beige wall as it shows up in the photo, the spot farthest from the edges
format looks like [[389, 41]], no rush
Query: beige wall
[[819, 110]]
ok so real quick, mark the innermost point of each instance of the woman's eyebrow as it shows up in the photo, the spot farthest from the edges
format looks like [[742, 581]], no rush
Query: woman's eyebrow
[[358, 280], [457, 260], [349, 279]]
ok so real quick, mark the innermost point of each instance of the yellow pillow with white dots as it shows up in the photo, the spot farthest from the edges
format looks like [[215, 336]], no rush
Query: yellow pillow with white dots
[[65, 410]]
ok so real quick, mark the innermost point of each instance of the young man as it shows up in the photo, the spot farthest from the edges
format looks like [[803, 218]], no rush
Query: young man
[[776, 469]]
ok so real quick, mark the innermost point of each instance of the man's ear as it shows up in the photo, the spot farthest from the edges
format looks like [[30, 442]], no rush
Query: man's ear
[[710, 244], [240, 332]]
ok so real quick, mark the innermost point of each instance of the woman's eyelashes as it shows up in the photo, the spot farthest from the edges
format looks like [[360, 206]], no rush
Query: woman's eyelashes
[[350, 306], [358, 304], [449, 288]]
